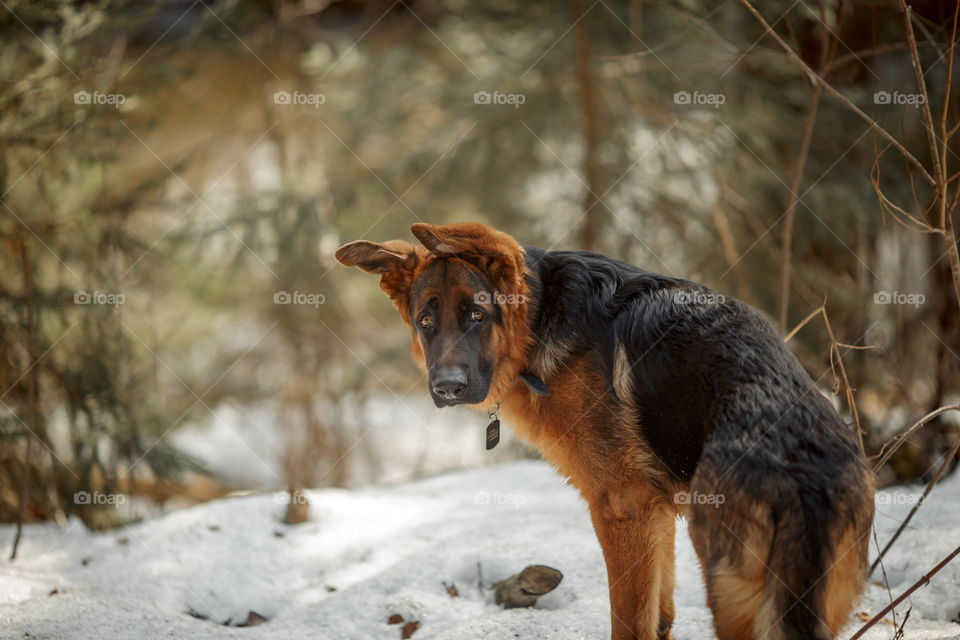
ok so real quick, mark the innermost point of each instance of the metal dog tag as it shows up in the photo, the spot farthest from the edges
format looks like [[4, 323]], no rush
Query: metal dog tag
[[493, 434]]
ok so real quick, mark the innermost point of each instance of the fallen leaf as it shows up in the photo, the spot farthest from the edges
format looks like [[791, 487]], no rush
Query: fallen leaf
[[409, 629], [538, 579], [523, 589], [253, 619]]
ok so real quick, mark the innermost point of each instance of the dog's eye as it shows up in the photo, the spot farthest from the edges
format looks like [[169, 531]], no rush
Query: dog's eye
[[476, 315], [426, 322]]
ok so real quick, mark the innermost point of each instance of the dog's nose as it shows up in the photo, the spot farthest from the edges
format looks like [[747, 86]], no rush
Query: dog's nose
[[450, 384]]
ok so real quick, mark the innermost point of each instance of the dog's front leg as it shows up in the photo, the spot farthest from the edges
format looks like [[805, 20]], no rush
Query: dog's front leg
[[637, 542]]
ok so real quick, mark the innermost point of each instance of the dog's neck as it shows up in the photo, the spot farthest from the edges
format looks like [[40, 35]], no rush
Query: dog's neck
[[533, 258], [545, 355]]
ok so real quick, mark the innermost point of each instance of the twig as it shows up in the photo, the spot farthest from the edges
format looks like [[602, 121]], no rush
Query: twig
[[943, 117], [903, 525], [925, 107], [946, 213], [835, 351], [848, 391], [858, 347], [897, 441], [946, 97], [898, 635], [903, 596], [804, 322], [888, 206], [883, 569]]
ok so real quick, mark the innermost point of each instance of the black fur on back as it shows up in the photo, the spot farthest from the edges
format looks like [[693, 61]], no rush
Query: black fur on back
[[706, 368]]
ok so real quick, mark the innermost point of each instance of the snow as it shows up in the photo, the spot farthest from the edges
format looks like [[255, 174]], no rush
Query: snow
[[397, 438], [366, 554]]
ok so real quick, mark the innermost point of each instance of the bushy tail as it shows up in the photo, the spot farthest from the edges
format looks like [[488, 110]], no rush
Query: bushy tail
[[794, 591], [817, 566]]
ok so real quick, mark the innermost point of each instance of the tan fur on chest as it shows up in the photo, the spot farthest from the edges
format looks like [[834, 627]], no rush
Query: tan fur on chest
[[585, 431]]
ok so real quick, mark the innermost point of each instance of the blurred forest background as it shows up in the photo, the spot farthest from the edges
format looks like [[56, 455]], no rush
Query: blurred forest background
[[175, 177]]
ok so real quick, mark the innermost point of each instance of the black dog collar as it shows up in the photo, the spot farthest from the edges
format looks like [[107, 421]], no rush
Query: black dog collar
[[535, 384]]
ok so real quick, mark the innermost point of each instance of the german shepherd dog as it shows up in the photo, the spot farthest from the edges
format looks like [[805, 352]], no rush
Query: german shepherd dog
[[656, 397]]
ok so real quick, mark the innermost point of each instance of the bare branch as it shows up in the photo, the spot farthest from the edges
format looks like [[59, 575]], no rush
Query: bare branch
[[903, 525], [925, 107], [897, 442], [803, 323], [903, 596]]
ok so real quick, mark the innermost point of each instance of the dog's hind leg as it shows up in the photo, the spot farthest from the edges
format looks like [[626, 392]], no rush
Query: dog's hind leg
[[733, 545]]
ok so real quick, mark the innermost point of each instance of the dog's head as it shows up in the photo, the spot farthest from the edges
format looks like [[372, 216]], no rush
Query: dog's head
[[464, 297]]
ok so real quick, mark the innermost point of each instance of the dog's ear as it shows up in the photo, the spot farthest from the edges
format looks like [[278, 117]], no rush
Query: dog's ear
[[494, 252], [394, 261]]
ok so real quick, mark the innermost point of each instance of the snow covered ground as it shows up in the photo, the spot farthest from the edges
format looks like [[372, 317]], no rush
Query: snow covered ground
[[396, 438], [367, 554]]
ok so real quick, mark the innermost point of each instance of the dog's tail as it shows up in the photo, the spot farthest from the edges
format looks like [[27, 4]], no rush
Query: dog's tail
[[785, 557], [794, 593], [816, 566]]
